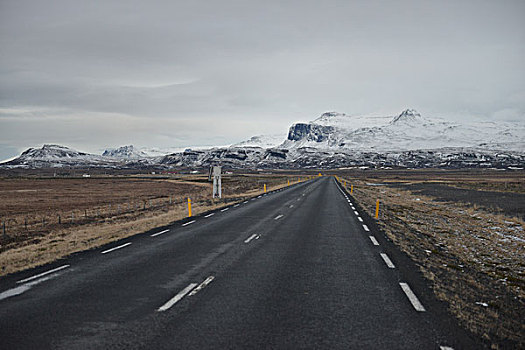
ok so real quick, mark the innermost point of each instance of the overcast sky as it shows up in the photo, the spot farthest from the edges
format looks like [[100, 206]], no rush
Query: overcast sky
[[96, 74]]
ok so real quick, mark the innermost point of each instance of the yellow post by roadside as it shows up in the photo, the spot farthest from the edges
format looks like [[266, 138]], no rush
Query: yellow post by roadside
[[351, 189], [189, 207], [288, 182], [264, 188], [377, 209]]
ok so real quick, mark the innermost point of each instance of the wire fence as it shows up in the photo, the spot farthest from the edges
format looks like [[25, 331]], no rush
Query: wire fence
[[22, 227]]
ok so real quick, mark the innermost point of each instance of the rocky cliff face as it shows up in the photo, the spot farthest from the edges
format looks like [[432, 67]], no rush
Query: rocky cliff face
[[310, 132]]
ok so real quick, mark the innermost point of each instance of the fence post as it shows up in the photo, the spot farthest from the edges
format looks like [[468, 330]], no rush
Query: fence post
[[59, 220], [4, 232], [25, 223]]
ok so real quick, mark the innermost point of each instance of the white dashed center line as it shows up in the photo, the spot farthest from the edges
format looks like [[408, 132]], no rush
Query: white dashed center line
[[207, 216], [366, 228], [278, 217], [247, 240], [177, 297], [359, 218], [412, 297], [202, 285], [159, 233], [189, 223], [356, 213], [374, 240], [387, 261], [43, 274], [115, 248]]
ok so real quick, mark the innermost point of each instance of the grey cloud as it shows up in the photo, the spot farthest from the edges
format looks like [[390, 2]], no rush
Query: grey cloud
[[250, 66]]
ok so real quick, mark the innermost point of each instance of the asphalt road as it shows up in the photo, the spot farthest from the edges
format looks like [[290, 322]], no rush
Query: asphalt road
[[294, 269]]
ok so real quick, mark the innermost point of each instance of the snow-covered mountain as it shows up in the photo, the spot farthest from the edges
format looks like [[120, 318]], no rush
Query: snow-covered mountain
[[331, 141], [124, 152], [263, 141], [404, 132], [56, 156]]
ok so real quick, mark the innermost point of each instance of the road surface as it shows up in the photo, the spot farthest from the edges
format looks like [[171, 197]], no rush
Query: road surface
[[300, 268]]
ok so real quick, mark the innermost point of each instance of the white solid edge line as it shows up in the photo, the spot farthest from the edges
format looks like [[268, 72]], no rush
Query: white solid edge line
[[412, 297], [159, 233], [366, 228], [177, 297], [387, 261], [225, 209], [374, 240], [43, 274], [189, 223], [207, 216], [359, 218], [442, 347], [115, 248], [278, 217], [202, 285], [247, 240]]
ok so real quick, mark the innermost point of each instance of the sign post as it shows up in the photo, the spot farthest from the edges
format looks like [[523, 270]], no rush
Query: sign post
[[217, 186]]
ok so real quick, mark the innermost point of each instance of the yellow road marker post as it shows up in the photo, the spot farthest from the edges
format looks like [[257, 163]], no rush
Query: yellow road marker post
[[377, 209], [189, 207]]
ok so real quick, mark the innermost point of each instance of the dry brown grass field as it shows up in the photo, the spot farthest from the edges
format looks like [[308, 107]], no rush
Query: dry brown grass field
[[49, 218], [473, 255]]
